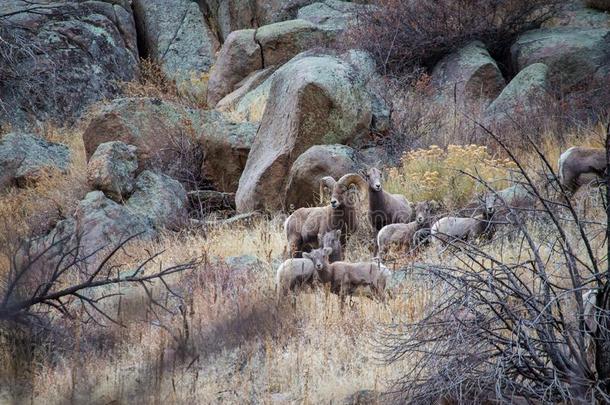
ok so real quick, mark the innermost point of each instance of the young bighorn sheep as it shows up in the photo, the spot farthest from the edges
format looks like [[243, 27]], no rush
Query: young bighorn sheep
[[345, 278], [295, 274], [385, 208], [449, 229], [579, 166], [404, 236], [332, 239], [304, 225]]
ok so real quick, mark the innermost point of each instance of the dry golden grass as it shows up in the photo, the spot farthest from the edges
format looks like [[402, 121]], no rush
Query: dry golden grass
[[232, 343]]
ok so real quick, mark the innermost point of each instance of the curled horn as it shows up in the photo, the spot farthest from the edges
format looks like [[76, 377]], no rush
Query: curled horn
[[327, 182], [352, 178]]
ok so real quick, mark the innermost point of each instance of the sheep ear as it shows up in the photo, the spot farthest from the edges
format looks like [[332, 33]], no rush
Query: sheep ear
[[320, 238], [327, 251], [434, 205], [306, 255], [338, 232]]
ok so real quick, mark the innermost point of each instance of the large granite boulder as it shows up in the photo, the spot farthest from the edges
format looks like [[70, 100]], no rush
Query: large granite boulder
[[332, 15], [247, 51], [303, 183], [226, 145], [526, 91], [153, 126], [112, 168], [470, 74], [239, 56], [316, 98], [574, 55], [102, 223], [176, 35], [159, 200], [62, 58], [24, 158], [577, 15]]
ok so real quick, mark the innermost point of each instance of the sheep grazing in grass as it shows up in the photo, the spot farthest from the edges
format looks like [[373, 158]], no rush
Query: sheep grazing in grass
[[579, 166], [345, 278], [304, 225], [385, 208], [406, 236], [296, 273], [332, 239], [449, 229]]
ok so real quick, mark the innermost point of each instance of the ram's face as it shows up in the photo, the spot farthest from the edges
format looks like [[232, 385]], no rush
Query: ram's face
[[319, 257], [374, 178], [423, 210], [340, 193]]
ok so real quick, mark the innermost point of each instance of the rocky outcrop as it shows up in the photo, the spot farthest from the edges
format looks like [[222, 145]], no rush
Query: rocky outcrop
[[240, 55], [332, 15], [573, 55], [314, 99], [24, 158], [243, 89], [577, 15], [102, 223], [303, 183], [155, 127], [247, 51], [61, 59], [527, 90], [226, 145], [176, 35], [111, 169], [158, 199], [470, 74], [281, 41]]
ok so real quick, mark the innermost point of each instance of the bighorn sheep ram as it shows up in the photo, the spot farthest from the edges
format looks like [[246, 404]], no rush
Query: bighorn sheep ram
[[448, 229], [344, 278], [579, 166], [304, 225], [296, 273], [332, 239], [385, 208], [404, 236]]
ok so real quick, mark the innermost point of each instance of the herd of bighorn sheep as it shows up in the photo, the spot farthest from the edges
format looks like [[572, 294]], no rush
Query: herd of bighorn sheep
[[317, 236]]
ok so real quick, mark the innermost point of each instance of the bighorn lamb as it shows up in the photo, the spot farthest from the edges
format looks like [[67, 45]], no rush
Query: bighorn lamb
[[448, 229], [385, 208], [332, 239], [344, 278], [404, 236], [304, 225], [580, 165], [296, 273]]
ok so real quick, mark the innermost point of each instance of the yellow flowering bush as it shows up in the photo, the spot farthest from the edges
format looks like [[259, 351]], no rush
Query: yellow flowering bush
[[443, 174]]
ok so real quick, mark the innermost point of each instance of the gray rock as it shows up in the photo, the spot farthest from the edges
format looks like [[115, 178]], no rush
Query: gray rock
[[526, 91], [102, 223], [64, 58], [176, 35], [579, 16], [332, 15], [283, 40], [308, 169], [573, 55], [314, 99], [247, 51], [111, 169], [239, 56], [471, 74], [226, 144], [159, 199], [157, 128], [243, 88], [24, 158]]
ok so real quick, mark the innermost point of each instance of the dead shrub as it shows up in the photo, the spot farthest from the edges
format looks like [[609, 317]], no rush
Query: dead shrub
[[408, 37]]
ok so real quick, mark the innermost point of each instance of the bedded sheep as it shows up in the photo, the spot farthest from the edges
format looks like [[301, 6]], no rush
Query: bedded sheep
[[449, 229], [405, 236]]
